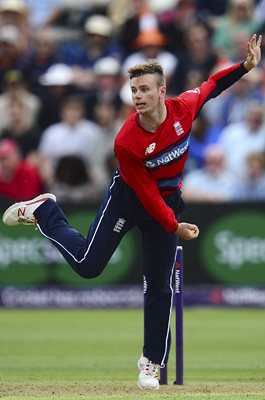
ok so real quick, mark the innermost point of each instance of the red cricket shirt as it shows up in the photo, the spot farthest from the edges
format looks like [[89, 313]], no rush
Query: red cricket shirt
[[151, 163]]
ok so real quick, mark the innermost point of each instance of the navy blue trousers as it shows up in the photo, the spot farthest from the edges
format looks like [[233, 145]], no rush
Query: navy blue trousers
[[120, 211]]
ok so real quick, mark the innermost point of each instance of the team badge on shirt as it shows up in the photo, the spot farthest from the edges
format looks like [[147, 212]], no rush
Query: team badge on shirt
[[150, 148], [178, 128]]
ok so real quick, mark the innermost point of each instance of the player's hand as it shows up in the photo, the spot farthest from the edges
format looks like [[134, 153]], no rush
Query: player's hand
[[254, 52], [187, 231]]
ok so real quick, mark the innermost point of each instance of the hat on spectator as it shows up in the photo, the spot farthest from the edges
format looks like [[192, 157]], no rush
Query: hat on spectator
[[107, 66], [8, 147], [57, 74], [18, 6], [98, 25], [150, 38], [158, 6], [126, 94], [9, 34]]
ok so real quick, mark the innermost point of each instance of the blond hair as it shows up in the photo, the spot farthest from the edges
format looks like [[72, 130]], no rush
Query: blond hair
[[152, 67]]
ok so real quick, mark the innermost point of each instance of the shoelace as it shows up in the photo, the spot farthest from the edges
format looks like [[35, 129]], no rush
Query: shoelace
[[151, 369], [27, 221]]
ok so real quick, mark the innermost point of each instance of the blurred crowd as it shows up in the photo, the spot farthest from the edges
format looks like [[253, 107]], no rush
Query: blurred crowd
[[64, 93]]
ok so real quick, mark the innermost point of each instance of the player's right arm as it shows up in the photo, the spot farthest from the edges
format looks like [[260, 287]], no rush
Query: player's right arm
[[193, 100], [145, 188]]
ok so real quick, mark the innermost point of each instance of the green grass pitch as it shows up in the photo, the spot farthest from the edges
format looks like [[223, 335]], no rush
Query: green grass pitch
[[92, 354]]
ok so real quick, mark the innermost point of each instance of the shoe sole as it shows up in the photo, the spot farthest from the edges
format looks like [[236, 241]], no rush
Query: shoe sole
[[148, 388], [41, 197]]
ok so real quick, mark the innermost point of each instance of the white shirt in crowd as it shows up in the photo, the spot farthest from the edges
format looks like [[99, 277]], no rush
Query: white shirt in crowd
[[238, 141], [83, 139]]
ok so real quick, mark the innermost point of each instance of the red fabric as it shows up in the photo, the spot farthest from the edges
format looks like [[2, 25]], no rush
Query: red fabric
[[148, 160], [25, 184]]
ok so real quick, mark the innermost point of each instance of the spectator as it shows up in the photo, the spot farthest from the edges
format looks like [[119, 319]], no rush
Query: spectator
[[176, 21], [203, 134], [132, 18], [138, 18], [16, 13], [68, 18], [210, 11], [10, 54], [259, 14], [240, 38], [252, 186], [197, 56], [149, 45], [212, 183], [98, 43], [107, 84], [127, 107], [73, 135], [73, 182], [239, 17], [18, 129], [106, 116], [240, 139], [42, 55], [233, 105], [236, 103], [57, 82], [19, 180], [15, 91], [43, 12]]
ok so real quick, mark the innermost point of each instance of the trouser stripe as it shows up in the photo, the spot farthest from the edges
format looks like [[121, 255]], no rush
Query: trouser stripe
[[171, 306]]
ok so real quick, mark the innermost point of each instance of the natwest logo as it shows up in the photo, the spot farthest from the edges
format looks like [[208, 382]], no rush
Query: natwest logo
[[169, 156]]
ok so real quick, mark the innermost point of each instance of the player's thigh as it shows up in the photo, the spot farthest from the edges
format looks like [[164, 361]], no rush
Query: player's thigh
[[113, 220]]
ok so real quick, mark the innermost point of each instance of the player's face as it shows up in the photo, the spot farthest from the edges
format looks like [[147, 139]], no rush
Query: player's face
[[146, 93]]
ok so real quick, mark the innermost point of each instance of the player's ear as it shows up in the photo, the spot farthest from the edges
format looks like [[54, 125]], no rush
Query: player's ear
[[163, 91]]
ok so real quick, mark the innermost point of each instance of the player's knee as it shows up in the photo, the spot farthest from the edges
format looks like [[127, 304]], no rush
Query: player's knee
[[87, 273]]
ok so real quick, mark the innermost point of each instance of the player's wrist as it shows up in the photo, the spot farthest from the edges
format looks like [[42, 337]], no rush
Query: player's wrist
[[248, 65]]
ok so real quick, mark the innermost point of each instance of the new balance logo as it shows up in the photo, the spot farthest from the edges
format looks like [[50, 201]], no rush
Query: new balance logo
[[119, 225], [21, 211], [150, 148]]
